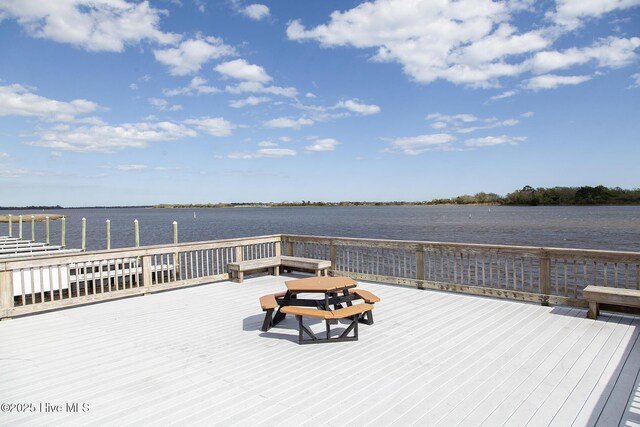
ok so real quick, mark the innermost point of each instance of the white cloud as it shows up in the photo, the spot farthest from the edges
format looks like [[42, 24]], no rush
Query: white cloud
[[287, 122], [251, 100], [264, 152], [467, 123], [104, 25], [256, 11], [216, 126], [133, 86], [133, 167], [489, 141], [528, 114], [610, 52], [414, 145], [191, 54], [17, 100], [162, 105], [636, 80], [257, 87], [109, 139], [310, 95], [550, 81], [571, 13], [503, 95], [241, 70], [470, 42], [197, 86], [267, 144], [325, 144], [356, 107], [4, 155]]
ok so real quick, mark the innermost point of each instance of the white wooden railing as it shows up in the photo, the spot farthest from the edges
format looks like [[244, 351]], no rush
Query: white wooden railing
[[544, 275], [49, 282]]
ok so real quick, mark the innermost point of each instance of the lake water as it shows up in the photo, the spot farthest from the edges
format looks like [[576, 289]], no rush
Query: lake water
[[598, 227]]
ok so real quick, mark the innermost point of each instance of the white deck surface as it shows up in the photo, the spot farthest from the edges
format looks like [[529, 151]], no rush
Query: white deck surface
[[196, 356]]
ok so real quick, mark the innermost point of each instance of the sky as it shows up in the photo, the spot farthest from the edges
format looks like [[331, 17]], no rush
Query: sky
[[121, 102]]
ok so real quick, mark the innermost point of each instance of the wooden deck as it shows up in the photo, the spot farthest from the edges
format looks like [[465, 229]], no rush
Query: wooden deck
[[197, 356]]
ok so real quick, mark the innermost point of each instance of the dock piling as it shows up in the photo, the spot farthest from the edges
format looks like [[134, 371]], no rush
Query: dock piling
[[47, 230], [108, 235], [10, 226], [20, 227], [33, 228], [175, 232], [84, 234], [63, 231], [136, 233]]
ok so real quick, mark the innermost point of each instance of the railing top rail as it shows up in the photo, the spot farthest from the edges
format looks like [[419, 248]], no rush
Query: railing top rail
[[534, 250], [57, 258]]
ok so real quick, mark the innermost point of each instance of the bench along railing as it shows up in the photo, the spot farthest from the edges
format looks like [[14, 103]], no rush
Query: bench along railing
[[41, 283], [545, 275]]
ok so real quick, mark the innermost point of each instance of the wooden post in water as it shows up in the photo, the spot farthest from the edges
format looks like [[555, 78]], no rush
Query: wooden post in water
[[63, 232], [175, 232], [108, 235], [48, 240], [136, 233], [84, 234], [20, 227], [33, 228], [10, 227]]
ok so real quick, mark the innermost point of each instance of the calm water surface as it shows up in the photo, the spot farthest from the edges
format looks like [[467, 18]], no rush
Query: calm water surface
[[599, 227]]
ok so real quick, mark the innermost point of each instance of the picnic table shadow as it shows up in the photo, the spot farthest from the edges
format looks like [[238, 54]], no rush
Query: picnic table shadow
[[254, 323]]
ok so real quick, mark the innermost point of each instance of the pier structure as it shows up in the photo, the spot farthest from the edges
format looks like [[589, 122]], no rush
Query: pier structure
[[508, 342]]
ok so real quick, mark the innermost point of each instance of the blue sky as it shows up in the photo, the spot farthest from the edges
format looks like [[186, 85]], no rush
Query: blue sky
[[116, 102]]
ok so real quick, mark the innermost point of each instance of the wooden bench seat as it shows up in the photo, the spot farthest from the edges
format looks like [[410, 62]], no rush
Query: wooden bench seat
[[352, 313], [367, 297], [269, 303], [597, 295], [272, 265]]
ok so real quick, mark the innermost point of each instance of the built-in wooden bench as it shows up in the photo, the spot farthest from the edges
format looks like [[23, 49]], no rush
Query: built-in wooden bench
[[597, 295], [272, 265], [352, 313], [269, 303]]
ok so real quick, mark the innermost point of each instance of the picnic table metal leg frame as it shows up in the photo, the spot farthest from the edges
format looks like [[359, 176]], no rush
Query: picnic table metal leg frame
[[313, 339]]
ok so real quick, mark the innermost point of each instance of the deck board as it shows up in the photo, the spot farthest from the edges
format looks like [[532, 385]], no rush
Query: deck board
[[197, 356]]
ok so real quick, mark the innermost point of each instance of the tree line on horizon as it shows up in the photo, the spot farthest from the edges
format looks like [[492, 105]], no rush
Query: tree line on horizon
[[529, 196]]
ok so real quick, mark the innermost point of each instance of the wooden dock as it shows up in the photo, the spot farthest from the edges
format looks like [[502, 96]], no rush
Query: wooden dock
[[196, 356]]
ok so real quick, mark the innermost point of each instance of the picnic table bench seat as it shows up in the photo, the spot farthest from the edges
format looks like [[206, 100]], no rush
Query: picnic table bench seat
[[272, 265], [369, 298], [597, 295], [352, 313]]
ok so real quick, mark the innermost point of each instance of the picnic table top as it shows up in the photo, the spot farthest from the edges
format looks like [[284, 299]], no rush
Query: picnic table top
[[320, 284]]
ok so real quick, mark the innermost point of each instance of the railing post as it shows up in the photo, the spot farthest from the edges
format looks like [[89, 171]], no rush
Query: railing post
[[84, 234], [63, 232], [545, 277], [20, 227], [108, 235], [147, 278], [6, 293], [420, 268], [46, 225], [333, 255], [278, 247], [10, 226], [239, 254], [289, 248], [33, 228]]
